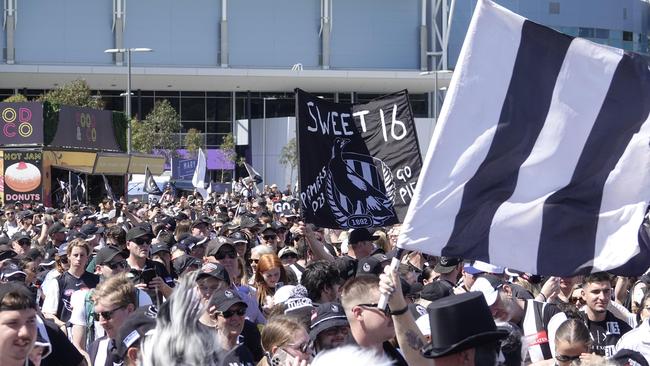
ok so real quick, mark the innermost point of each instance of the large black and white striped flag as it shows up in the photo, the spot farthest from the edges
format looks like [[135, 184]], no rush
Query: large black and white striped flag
[[540, 160]]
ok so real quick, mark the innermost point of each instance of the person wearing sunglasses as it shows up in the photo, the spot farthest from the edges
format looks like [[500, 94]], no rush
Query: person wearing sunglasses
[[286, 342], [114, 299], [572, 343], [269, 236], [138, 243], [10, 226], [21, 243], [110, 262], [227, 312], [222, 251], [329, 327]]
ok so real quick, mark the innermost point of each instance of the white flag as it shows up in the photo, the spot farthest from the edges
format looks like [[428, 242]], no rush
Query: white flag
[[198, 180], [540, 159]]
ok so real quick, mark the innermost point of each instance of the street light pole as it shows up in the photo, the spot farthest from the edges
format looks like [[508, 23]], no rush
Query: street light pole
[[264, 135], [128, 87]]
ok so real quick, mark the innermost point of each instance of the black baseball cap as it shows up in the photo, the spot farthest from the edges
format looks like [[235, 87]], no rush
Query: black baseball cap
[[361, 234], [271, 227], [435, 290], [18, 288], [347, 266], [138, 324], [215, 244], [326, 316], [57, 227], [202, 220], [447, 264], [20, 236], [214, 270], [184, 262], [372, 265], [138, 231], [107, 254], [238, 237], [6, 252], [222, 300], [159, 247]]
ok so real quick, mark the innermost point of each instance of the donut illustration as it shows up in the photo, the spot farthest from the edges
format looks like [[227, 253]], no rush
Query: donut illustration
[[22, 177]]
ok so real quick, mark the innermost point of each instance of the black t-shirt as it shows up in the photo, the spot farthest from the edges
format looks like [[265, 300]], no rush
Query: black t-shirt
[[68, 284], [64, 353], [238, 356], [605, 334], [394, 355]]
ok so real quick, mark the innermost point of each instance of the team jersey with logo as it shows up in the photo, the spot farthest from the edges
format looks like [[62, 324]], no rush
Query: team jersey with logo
[[539, 325]]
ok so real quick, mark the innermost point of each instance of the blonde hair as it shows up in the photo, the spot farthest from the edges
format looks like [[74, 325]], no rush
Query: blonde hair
[[77, 243], [117, 290], [382, 242], [359, 290], [280, 331]]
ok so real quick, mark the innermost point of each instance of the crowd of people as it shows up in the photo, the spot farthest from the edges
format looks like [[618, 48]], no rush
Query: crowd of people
[[240, 279]]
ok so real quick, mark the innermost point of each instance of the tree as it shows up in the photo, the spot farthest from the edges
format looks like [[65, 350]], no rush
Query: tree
[[289, 156], [76, 93], [228, 149], [16, 98], [194, 141], [158, 130]]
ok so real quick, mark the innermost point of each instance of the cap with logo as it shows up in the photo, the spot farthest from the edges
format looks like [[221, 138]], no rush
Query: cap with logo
[[159, 247], [57, 227], [217, 243], [327, 315], [214, 270], [347, 266], [372, 265], [184, 263], [12, 272], [447, 264], [138, 324], [223, 299]]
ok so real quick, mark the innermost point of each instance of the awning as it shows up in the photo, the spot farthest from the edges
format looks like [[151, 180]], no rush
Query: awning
[[139, 163], [78, 161], [111, 164]]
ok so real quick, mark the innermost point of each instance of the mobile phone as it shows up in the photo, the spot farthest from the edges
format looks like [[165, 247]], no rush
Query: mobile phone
[[147, 275], [280, 358]]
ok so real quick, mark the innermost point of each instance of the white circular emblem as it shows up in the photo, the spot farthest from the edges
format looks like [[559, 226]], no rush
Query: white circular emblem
[[366, 267], [335, 308], [229, 294]]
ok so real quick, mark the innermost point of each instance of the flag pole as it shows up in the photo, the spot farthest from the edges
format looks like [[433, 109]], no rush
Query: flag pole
[[394, 265]]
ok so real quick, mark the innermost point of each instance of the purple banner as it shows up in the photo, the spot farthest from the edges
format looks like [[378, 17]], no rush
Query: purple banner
[[86, 128], [22, 123], [214, 157]]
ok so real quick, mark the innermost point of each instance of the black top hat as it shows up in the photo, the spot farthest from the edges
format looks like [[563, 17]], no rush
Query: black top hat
[[326, 316], [362, 234], [458, 323]]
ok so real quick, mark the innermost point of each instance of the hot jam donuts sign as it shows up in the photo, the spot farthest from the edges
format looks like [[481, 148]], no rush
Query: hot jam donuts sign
[[22, 175], [21, 123]]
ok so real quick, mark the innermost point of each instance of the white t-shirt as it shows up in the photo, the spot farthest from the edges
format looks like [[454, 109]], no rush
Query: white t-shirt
[[51, 296], [79, 314], [638, 339]]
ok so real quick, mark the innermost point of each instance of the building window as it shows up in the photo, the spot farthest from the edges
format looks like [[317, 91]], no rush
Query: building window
[[628, 36], [601, 33], [586, 32], [554, 7], [624, 13]]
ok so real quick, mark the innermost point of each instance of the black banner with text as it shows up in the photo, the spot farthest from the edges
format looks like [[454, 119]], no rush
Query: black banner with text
[[359, 164]]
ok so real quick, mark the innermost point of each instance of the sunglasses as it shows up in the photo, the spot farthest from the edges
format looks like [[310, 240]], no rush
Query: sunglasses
[[141, 241], [223, 255], [25, 243], [564, 358], [269, 237], [116, 265], [229, 313], [253, 261], [386, 311], [106, 314], [303, 347], [63, 260]]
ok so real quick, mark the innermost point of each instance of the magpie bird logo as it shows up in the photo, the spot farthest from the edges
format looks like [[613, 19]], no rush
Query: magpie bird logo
[[359, 188]]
